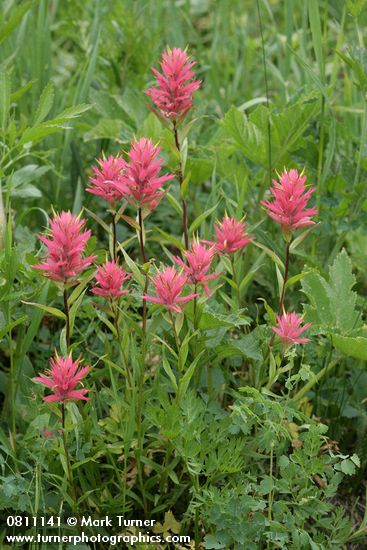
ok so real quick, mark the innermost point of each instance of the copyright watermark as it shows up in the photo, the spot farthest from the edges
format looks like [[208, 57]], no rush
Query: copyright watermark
[[85, 524]]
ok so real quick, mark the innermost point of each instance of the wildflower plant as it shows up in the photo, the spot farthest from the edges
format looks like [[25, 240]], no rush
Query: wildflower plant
[[65, 244], [207, 342], [109, 279]]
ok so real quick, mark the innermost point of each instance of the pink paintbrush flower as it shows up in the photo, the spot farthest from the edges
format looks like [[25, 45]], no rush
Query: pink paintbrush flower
[[289, 207], [108, 173], [169, 284], [62, 379], [110, 277], [65, 243], [289, 329], [174, 86], [230, 236], [199, 259], [141, 181]]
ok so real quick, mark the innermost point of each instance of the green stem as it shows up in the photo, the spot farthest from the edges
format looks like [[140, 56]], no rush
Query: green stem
[[144, 258], [270, 498], [114, 235], [235, 280], [12, 390], [67, 313], [195, 309], [141, 236], [116, 317], [282, 296], [67, 458], [180, 179], [177, 340], [139, 450]]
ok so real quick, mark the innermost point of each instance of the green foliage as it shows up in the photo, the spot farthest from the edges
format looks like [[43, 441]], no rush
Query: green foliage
[[222, 436], [287, 127], [333, 303]]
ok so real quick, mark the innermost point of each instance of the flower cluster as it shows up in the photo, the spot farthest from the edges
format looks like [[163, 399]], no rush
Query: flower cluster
[[289, 207], [62, 379], [198, 262], [138, 180], [109, 278], [65, 247], [230, 235], [174, 87], [107, 181], [289, 329], [141, 184], [169, 285]]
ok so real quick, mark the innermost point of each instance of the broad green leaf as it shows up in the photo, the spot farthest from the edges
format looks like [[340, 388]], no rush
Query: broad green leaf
[[315, 287], [332, 303], [246, 135], [211, 319], [342, 298], [22, 178], [352, 346], [250, 134], [247, 346]]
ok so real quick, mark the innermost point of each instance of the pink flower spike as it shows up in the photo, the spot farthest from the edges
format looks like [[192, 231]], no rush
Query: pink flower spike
[[109, 172], [141, 175], [169, 284], [289, 207], [110, 277], [230, 236], [65, 243], [199, 259], [289, 329], [174, 87], [62, 379]]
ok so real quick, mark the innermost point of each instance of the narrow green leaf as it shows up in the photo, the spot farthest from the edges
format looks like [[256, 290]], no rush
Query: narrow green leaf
[[270, 253], [4, 99], [185, 380], [7, 28], [52, 310], [45, 103], [169, 371], [12, 325], [315, 24], [198, 221]]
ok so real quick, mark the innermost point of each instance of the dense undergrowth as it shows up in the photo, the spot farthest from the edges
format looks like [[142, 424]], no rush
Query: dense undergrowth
[[198, 417]]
